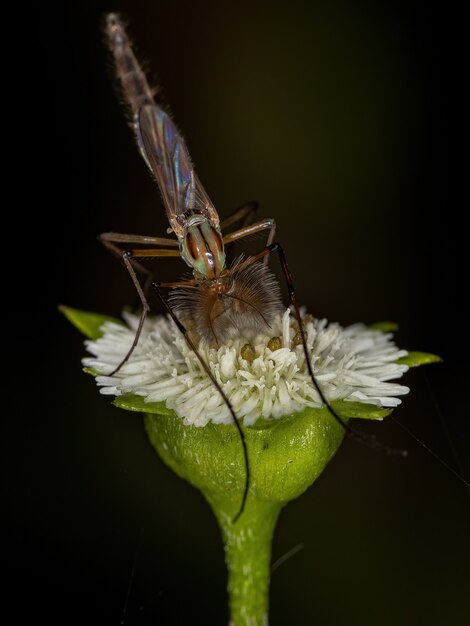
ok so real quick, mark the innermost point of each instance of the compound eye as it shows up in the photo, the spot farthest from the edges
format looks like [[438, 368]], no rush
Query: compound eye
[[191, 247], [218, 240]]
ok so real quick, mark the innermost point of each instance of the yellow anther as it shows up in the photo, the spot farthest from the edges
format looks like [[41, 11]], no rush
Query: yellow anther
[[248, 352], [274, 343]]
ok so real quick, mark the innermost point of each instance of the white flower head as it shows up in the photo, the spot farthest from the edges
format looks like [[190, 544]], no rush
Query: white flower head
[[262, 375]]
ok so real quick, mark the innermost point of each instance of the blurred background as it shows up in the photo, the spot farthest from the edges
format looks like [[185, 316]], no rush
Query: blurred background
[[339, 118]]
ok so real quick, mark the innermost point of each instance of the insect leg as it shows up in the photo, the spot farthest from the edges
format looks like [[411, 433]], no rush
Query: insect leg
[[369, 441], [276, 247], [109, 241], [156, 287], [266, 224], [143, 239], [244, 213], [243, 216], [178, 283]]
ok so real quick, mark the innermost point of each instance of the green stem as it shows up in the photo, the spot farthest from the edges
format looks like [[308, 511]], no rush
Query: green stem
[[248, 557], [285, 457]]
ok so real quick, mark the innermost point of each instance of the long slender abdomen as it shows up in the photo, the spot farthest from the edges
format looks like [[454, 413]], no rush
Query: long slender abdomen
[[134, 84]]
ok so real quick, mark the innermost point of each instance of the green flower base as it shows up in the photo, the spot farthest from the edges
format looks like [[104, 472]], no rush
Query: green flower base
[[285, 457]]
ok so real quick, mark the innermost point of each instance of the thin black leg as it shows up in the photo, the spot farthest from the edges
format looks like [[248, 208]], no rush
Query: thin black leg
[[369, 441], [156, 288]]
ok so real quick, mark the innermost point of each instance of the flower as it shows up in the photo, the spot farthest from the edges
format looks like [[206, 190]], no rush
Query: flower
[[263, 375]]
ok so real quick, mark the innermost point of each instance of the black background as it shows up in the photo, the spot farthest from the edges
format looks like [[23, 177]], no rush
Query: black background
[[342, 120]]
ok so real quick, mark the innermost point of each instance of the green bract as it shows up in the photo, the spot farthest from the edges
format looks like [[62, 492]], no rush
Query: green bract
[[413, 359]]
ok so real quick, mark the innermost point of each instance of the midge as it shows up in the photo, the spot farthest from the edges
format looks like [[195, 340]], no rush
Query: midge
[[219, 300]]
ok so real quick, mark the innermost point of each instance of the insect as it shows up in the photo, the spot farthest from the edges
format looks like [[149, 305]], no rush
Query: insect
[[218, 300]]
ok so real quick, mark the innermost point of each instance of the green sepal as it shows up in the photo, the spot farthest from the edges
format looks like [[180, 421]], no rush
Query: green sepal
[[132, 402], [361, 410], [414, 359], [92, 371], [87, 323], [384, 327]]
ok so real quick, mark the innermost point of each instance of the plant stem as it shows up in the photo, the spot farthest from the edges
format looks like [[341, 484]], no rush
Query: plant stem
[[248, 557], [286, 456]]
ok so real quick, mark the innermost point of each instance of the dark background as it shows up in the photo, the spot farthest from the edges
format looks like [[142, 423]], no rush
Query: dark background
[[342, 120]]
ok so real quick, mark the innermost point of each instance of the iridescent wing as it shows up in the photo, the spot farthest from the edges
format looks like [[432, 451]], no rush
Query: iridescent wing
[[167, 156]]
